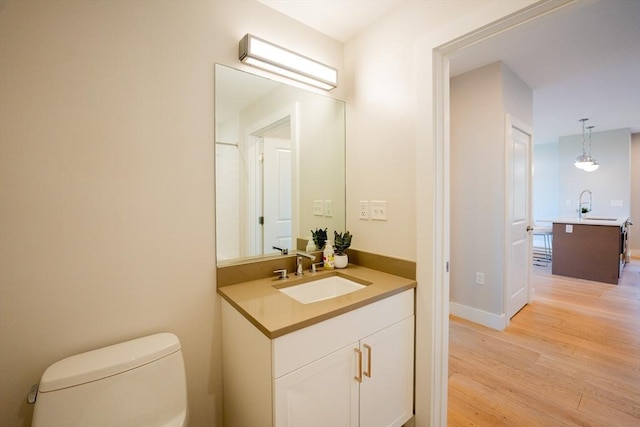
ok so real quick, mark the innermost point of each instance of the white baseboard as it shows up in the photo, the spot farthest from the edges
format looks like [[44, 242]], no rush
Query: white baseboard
[[475, 315]]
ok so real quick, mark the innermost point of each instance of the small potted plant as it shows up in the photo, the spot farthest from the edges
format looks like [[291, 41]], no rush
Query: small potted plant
[[341, 242], [319, 238]]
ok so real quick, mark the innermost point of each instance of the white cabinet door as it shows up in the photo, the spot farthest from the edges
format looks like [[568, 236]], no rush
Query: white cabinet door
[[323, 393], [386, 392]]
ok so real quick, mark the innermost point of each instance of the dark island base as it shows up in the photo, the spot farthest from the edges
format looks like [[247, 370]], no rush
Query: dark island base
[[590, 252]]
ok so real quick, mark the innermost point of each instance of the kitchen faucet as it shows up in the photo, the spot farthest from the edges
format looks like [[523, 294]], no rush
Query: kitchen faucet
[[299, 255], [580, 203]]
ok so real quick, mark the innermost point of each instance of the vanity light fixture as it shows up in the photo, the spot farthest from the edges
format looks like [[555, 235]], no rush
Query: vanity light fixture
[[583, 160], [270, 57]]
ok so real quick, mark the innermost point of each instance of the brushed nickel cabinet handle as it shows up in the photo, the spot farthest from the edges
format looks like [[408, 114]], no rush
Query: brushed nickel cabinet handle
[[367, 373], [359, 376]]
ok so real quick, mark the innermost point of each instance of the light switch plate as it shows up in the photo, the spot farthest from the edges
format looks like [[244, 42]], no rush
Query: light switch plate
[[328, 208], [379, 210], [318, 207]]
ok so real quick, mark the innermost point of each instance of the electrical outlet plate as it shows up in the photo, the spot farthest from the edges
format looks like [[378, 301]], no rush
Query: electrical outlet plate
[[318, 207], [379, 210], [363, 209]]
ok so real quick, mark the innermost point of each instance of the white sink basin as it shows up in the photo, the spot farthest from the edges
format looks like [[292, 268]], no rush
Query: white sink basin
[[321, 289]]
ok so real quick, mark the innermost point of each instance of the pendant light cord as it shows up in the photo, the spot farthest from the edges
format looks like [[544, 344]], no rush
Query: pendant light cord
[[584, 153]]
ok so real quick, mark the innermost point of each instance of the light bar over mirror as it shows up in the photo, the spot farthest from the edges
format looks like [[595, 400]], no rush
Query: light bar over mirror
[[262, 54]]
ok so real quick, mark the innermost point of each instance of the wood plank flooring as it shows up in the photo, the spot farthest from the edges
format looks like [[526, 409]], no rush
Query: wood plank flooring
[[571, 358]]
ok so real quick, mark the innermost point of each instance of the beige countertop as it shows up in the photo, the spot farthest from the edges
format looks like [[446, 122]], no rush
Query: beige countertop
[[276, 314]]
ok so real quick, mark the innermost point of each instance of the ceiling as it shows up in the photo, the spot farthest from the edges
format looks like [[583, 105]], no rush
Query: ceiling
[[339, 19], [581, 62]]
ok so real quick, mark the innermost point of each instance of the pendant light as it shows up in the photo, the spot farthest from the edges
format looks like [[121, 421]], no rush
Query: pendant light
[[594, 163], [583, 160]]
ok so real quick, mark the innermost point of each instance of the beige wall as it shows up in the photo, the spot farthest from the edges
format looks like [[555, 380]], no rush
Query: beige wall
[[393, 155], [477, 147], [107, 173]]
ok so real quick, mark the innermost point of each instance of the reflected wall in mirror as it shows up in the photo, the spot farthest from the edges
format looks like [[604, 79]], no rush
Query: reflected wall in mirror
[[280, 165]]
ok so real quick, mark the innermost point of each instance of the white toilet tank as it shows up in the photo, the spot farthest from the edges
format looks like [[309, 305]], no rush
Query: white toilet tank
[[135, 383]]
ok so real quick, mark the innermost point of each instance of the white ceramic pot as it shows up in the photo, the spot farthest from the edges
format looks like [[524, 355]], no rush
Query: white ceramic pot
[[341, 260]]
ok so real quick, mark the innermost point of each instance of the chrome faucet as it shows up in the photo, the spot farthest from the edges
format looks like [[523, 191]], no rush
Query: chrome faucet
[[580, 203], [282, 273], [283, 251], [315, 265], [299, 256]]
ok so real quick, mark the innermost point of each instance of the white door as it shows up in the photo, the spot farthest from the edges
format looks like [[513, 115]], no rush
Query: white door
[[386, 392], [277, 194], [519, 144], [321, 394]]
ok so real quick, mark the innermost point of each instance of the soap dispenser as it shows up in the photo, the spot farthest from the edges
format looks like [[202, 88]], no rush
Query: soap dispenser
[[310, 246], [328, 256]]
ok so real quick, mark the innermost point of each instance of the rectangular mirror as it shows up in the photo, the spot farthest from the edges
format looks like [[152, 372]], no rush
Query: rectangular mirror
[[280, 165]]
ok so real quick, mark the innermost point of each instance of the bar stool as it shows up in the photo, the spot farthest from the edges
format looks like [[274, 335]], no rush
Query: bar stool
[[543, 258]]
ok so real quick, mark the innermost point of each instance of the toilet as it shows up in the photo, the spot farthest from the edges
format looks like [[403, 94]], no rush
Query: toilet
[[135, 383]]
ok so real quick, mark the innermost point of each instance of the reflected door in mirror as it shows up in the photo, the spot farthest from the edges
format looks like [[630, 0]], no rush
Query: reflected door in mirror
[[277, 191]]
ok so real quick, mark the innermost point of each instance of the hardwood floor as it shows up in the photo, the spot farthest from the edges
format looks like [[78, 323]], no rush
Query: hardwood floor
[[571, 358]]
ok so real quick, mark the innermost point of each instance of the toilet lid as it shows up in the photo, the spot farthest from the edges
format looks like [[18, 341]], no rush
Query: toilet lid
[[104, 362]]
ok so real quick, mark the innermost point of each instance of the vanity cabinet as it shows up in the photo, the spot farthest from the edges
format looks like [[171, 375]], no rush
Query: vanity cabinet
[[327, 393], [355, 369], [323, 393]]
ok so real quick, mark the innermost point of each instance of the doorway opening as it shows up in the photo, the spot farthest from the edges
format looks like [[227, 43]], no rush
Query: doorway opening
[[272, 196], [438, 330]]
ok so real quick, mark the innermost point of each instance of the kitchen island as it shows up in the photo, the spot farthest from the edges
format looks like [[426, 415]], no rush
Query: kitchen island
[[591, 248]]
